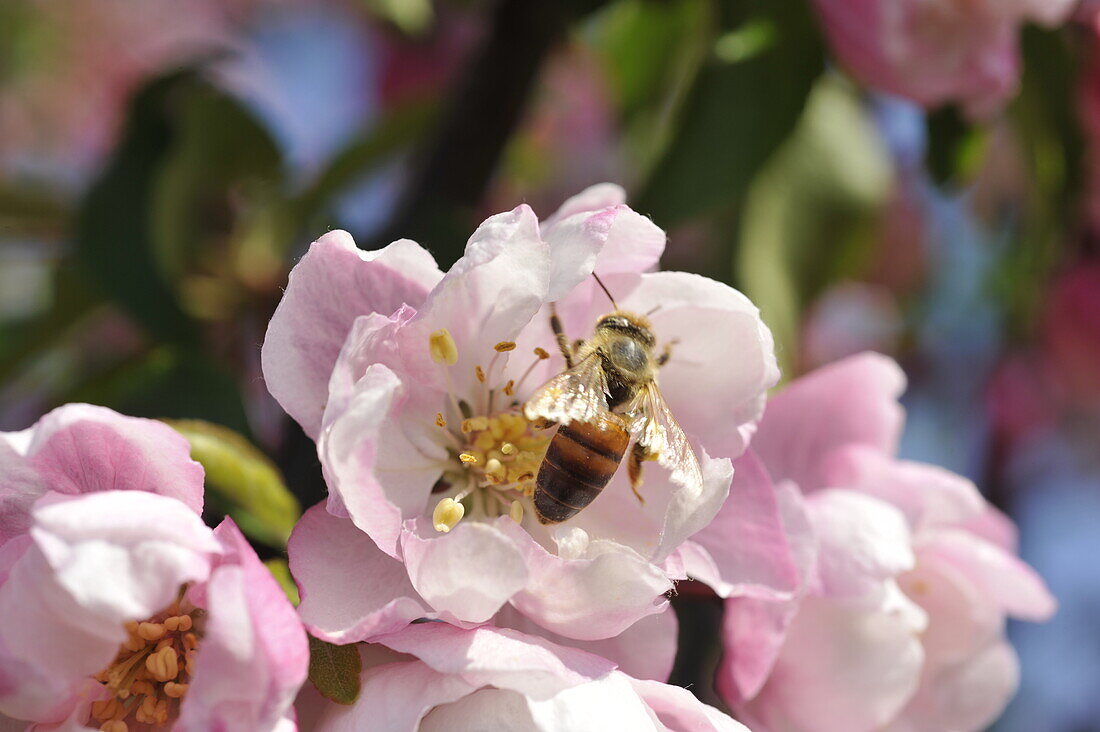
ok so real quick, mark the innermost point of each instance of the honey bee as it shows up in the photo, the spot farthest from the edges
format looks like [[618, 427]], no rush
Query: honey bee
[[606, 397]]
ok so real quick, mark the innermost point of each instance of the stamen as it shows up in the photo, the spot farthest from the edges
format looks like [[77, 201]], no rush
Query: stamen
[[504, 346], [541, 353], [494, 470], [480, 374], [516, 512], [439, 421], [447, 514], [508, 448], [468, 458], [509, 388], [442, 347]]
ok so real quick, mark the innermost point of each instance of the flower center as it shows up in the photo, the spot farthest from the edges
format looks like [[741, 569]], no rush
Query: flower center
[[496, 454], [152, 670]]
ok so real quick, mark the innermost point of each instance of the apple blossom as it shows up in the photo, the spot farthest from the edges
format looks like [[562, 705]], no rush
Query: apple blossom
[[434, 676], [411, 381], [121, 608], [936, 51], [908, 575]]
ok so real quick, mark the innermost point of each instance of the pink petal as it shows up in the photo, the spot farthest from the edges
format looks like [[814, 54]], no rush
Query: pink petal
[[966, 696], [753, 632], [678, 709], [20, 486], [594, 198], [598, 593], [928, 495], [333, 284], [744, 551], [351, 590], [850, 401], [502, 658], [1011, 583], [253, 656], [467, 574], [842, 669], [862, 541], [392, 698], [645, 650], [80, 448], [484, 709]]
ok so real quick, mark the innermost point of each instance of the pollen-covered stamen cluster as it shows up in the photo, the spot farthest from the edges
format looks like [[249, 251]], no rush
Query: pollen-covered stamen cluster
[[497, 452], [152, 670]]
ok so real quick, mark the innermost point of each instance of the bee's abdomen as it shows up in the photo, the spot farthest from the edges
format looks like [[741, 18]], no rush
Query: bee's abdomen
[[579, 462]]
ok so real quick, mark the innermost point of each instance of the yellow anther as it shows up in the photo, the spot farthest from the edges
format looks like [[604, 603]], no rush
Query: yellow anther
[[447, 514], [504, 346], [185, 623], [439, 421], [508, 448], [510, 387], [151, 631], [479, 373], [468, 458], [115, 725], [164, 664], [541, 353], [175, 690], [494, 470], [515, 512], [442, 347]]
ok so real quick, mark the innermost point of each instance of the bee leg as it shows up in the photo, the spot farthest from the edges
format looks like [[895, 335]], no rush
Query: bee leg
[[559, 334], [666, 353], [638, 455]]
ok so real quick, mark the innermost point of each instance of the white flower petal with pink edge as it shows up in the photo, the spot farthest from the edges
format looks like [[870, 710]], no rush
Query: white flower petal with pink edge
[[96, 561], [334, 283], [253, 656], [842, 669], [81, 448], [853, 401], [489, 678], [1017, 589], [350, 589], [862, 541], [745, 551]]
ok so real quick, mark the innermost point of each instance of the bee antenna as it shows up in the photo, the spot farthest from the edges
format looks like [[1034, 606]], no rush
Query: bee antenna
[[605, 290]]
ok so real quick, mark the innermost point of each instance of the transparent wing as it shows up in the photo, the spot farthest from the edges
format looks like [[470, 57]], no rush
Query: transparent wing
[[576, 394], [656, 430]]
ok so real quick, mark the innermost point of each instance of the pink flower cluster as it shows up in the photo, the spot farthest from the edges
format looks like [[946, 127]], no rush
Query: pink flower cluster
[[936, 51], [860, 590]]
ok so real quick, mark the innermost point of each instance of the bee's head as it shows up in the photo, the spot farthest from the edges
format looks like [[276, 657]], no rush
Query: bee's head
[[629, 324]]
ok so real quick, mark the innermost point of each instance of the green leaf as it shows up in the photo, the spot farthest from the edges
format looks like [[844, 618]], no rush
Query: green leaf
[[809, 212], [280, 570], [244, 479], [335, 670], [114, 238], [744, 103]]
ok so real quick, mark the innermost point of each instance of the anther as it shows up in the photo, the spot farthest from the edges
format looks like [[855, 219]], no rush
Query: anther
[[541, 353], [439, 421], [468, 458], [442, 347], [115, 725], [494, 470], [508, 448], [515, 512], [447, 514], [510, 387], [151, 631], [175, 690], [479, 373], [504, 346]]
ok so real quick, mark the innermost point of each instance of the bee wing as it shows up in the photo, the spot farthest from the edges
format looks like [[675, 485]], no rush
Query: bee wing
[[576, 394], [657, 430]]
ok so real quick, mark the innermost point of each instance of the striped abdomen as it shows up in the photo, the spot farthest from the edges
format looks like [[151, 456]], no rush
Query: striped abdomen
[[579, 462]]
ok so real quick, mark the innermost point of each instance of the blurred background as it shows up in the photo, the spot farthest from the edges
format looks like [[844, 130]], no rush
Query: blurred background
[[163, 165]]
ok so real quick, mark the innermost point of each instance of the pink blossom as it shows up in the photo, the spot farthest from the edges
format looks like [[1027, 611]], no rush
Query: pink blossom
[[113, 589], [348, 354], [434, 676], [908, 575], [936, 51]]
